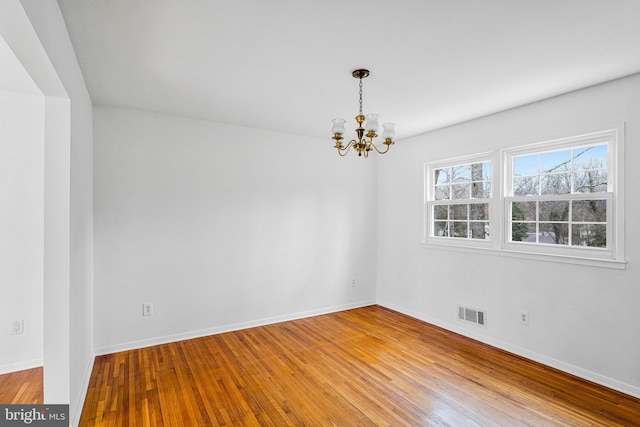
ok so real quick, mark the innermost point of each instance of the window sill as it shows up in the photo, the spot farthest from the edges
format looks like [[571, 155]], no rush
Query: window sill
[[564, 259]]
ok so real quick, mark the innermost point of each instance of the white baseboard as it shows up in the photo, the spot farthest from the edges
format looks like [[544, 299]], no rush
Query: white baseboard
[[226, 328], [75, 417], [536, 357], [21, 366]]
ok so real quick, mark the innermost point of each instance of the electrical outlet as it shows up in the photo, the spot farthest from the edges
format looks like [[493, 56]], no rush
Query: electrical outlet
[[16, 327], [147, 309], [524, 318]]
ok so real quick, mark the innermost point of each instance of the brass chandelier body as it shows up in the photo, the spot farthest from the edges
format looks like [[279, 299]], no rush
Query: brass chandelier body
[[365, 134]]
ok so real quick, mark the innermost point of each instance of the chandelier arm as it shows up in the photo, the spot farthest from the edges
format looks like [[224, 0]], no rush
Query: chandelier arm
[[376, 148], [343, 151]]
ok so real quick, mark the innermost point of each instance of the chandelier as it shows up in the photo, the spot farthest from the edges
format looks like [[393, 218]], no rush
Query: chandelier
[[365, 134]]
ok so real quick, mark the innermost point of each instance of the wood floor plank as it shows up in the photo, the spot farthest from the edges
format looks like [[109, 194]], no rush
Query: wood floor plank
[[367, 366], [22, 387]]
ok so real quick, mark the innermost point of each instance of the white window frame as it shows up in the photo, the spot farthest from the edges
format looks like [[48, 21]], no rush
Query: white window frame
[[500, 244], [429, 201]]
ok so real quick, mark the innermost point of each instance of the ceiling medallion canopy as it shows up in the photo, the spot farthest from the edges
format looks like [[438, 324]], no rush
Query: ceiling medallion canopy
[[365, 134]]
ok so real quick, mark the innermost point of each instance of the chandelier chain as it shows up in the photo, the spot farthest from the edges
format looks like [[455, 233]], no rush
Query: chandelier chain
[[360, 95]]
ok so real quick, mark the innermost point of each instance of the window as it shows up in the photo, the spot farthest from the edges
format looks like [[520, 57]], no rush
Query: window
[[561, 199], [459, 199]]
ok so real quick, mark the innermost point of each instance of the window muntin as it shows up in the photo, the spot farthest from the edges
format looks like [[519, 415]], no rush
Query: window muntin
[[569, 171], [461, 220], [578, 222]]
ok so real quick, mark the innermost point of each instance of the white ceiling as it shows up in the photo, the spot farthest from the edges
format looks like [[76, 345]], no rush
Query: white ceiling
[[286, 65]]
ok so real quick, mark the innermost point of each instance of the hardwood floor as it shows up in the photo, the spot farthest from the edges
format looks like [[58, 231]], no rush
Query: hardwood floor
[[22, 387], [367, 366]]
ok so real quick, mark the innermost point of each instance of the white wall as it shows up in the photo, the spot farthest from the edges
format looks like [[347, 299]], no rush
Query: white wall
[[582, 319], [222, 227], [49, 24], [20, 37], [21, 229], [36, 32]]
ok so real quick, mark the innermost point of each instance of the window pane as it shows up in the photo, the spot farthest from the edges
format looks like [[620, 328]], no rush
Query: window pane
[[526, 186], [523, 232], [479, 211], [590, 157], [593, 235], [556, 161], [459, 212], [486, 171], [554, 211], [459, 229], [479, 230], [440, 228], [554, 233], [440, 212], [594, 181], [461, 173], [523, 211], [442, 192], [525, 165], [461, 191], [559, 183], [442, 176], [477, 172], [589, 211], [481, 190]]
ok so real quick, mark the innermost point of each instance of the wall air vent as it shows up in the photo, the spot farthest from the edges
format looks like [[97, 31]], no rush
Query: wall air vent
[[472, 315]]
